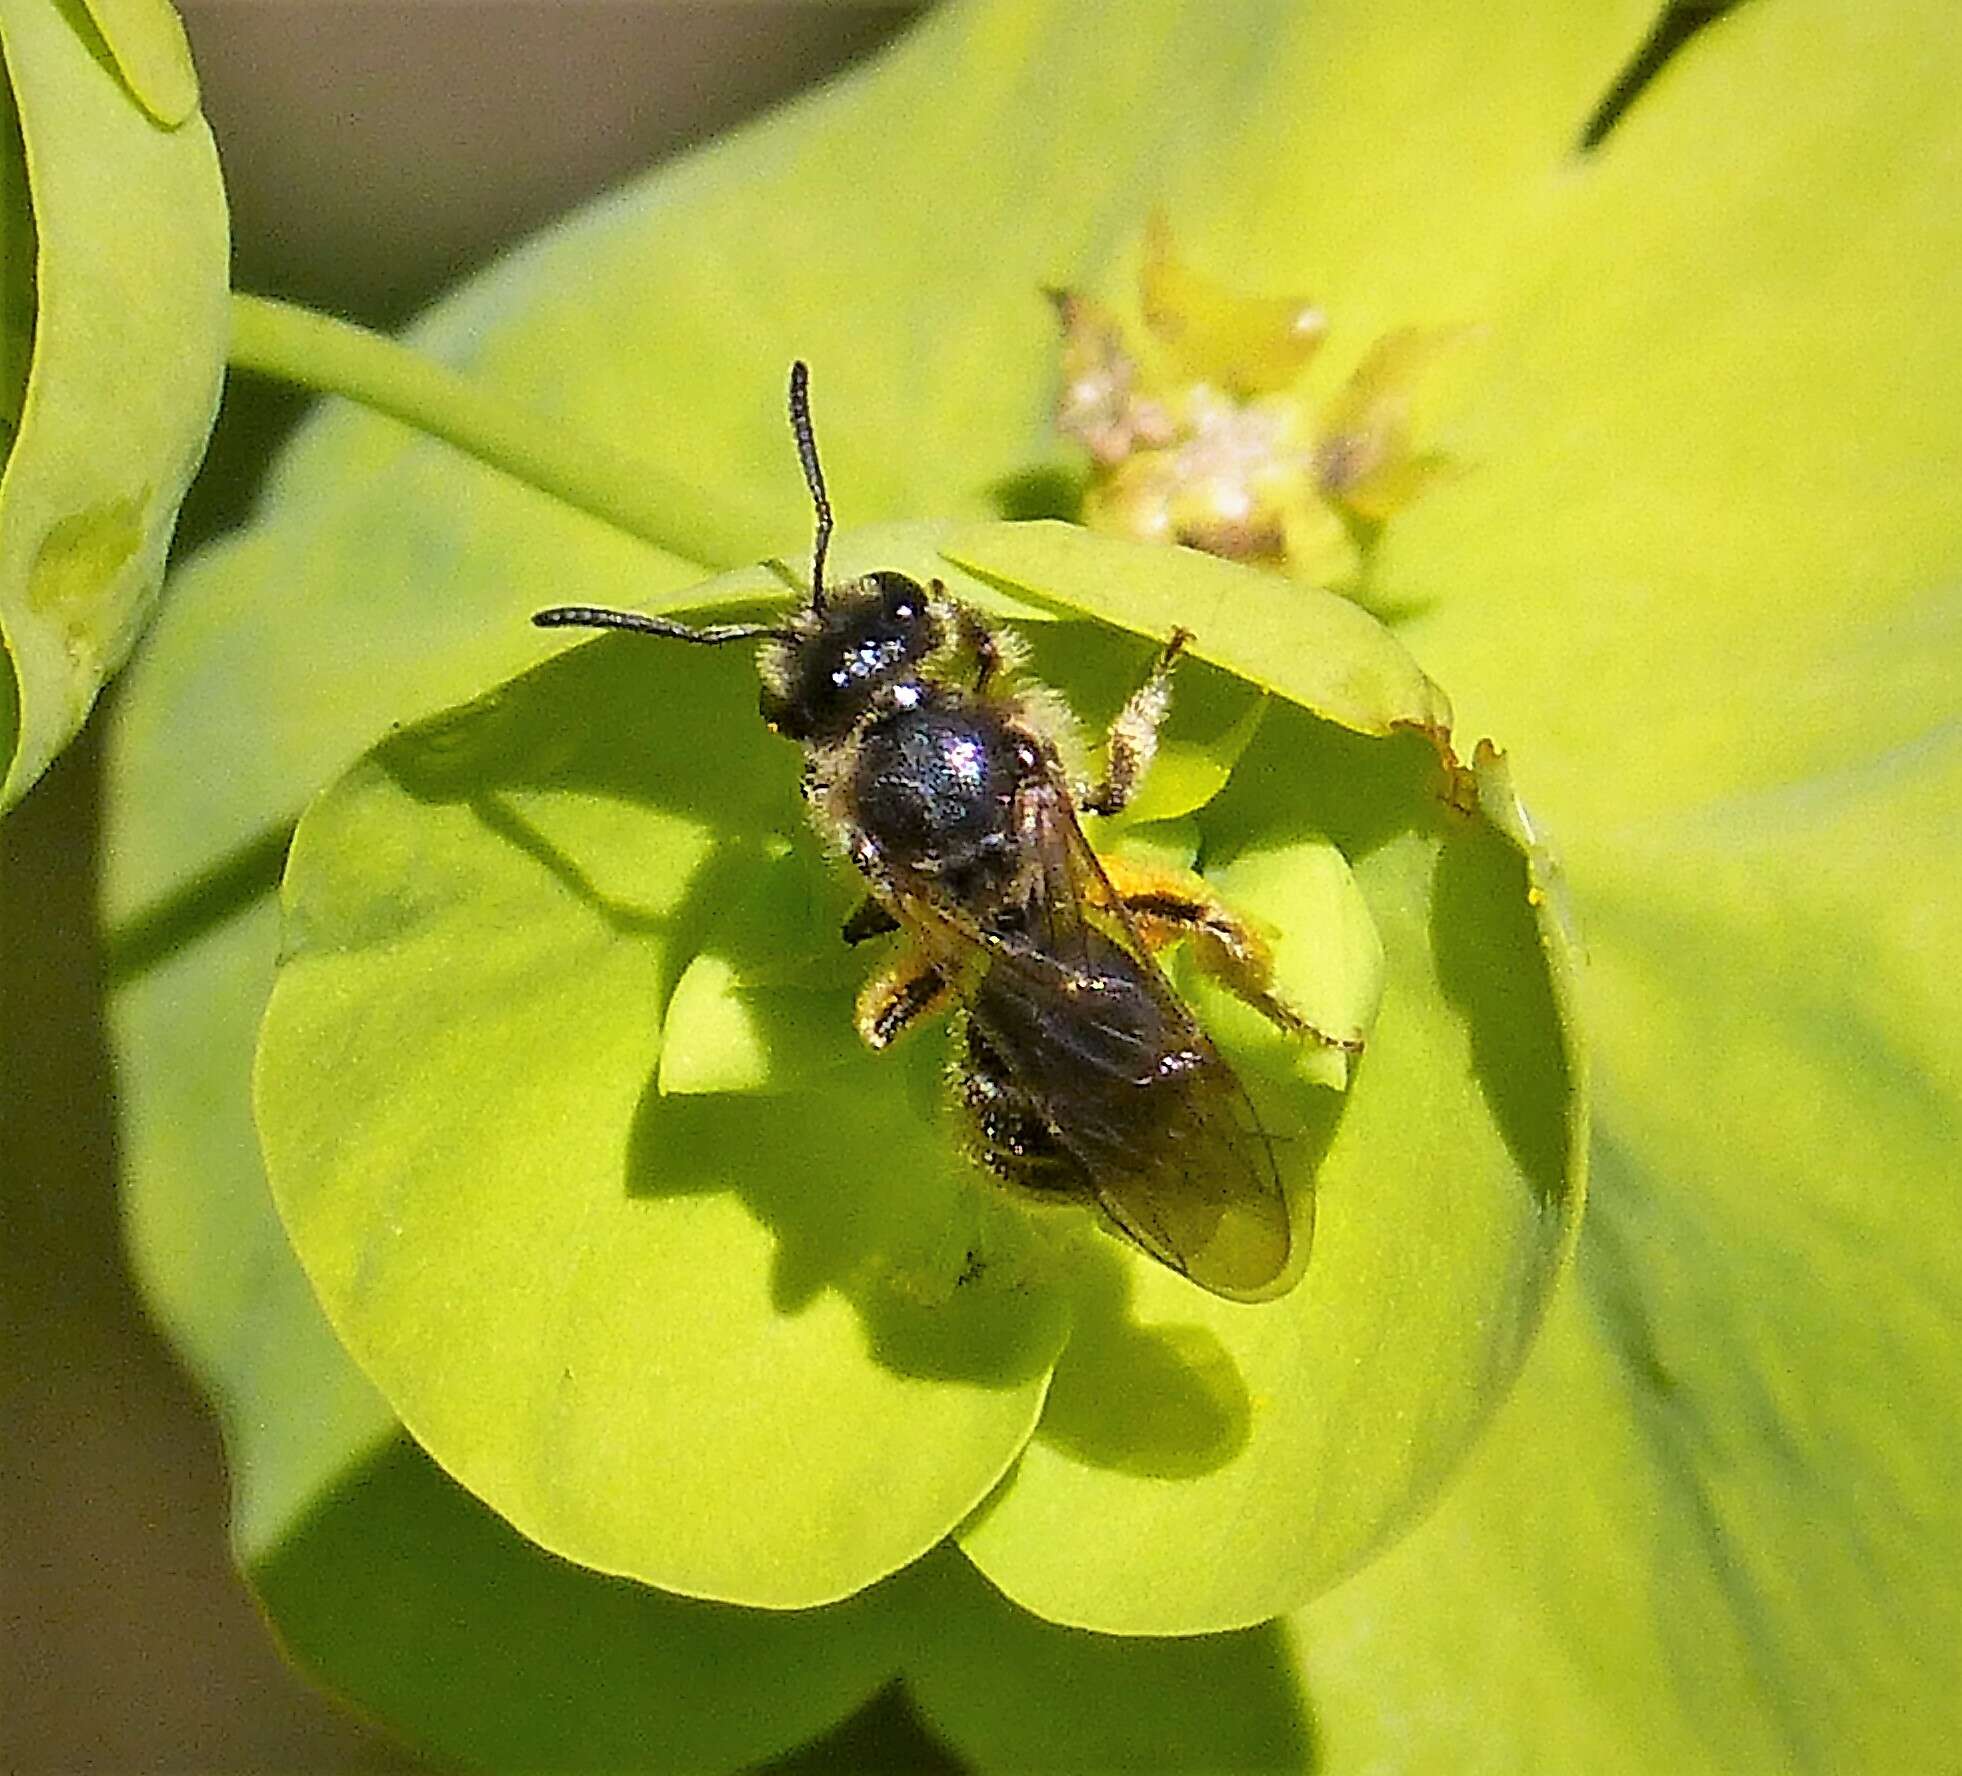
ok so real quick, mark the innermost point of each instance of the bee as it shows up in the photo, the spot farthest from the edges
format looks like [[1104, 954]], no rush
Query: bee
[[936, 767]]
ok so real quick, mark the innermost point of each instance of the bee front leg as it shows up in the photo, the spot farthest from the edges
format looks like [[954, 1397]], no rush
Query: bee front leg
[[1166, 905], [1133, 739], [900, 997], [982, 644]]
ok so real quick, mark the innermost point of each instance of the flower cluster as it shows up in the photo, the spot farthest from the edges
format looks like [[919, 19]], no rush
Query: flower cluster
[[1199, 432]]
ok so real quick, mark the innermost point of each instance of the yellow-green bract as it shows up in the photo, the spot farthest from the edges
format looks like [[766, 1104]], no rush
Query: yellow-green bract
[[1698, 576], [113, 283]]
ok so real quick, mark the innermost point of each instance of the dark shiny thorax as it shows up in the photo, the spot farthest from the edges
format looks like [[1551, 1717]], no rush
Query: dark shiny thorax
[[936, 785]]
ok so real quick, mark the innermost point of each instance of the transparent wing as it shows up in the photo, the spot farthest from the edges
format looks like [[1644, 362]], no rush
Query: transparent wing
[[1091, 1033]]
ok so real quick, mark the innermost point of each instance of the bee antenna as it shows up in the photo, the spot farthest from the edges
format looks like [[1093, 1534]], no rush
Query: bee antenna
[[590, 616], [807, 454]]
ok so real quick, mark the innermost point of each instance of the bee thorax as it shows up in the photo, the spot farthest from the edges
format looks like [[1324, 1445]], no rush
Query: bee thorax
[[935, 785]]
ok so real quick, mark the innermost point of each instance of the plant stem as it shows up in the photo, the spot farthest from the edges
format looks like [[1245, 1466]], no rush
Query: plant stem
[[300, 345]]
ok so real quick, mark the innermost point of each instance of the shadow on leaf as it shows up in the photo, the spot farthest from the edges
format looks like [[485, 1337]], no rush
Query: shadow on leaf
[[411, 1595], [1043, 490], [1302, 777], [1167, 1402], [1493, 971], [861, 1194], [1014, 1692]]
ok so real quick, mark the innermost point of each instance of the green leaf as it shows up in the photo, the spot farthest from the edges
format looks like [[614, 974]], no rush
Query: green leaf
[[377, 1568], [1727, 645], [1708, 544], [405, 574], [207, 1247], [1201, 1466], [799, 237], [1015, 1694], [683, 1363], [1671, 1430], [765, 1003], [1399, 162], [114, 263], [803, 237], [146, 37], [682, 1338], [504, 1658], [1312, 647]]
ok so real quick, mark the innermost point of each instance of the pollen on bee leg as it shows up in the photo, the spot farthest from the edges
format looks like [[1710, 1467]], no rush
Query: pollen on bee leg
[[1133, 739], [900, 997], [1168, 906]]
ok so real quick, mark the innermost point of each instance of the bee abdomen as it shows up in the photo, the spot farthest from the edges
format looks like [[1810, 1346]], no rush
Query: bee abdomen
[[1010, 1136]]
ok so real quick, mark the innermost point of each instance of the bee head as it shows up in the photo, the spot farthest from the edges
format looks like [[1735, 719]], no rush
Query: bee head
[[866, 636], [824, 667]]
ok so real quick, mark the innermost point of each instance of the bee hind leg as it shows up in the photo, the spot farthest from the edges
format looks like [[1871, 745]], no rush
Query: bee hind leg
[[900, 997], [1133, 739], [1166, 905]]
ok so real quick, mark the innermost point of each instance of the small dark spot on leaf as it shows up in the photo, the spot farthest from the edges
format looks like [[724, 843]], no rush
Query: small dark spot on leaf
[[1678, 22]]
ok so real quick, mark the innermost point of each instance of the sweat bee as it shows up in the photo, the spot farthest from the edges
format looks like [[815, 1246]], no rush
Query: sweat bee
[[934, 764]]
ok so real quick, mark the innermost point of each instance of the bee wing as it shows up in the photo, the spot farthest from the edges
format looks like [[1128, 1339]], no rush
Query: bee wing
[[1092, 1033]]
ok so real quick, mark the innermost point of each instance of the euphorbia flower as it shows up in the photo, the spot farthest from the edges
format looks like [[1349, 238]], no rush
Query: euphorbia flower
[[1202, 429], [1695, 578]]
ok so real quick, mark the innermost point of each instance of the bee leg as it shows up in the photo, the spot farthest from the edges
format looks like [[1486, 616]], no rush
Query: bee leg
[[870, 918], [1166, 905], [900, 997], [1133, 738], [973, 634], [1009, 1137]]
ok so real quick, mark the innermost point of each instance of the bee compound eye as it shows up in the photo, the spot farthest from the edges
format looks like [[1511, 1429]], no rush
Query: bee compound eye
[[901, 598]]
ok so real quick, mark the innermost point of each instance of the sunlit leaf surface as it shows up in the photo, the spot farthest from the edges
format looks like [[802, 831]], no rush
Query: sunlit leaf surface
[[1697, 576]]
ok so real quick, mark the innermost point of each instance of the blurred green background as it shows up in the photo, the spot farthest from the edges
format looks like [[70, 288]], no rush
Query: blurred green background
[[375, 151]]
